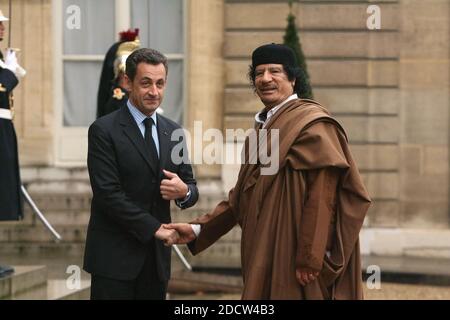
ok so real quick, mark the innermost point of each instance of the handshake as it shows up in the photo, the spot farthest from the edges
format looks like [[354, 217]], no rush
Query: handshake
[[175, 233]]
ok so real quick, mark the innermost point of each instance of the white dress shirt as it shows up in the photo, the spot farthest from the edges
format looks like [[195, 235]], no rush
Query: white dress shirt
[[196, 227], [272, 111]]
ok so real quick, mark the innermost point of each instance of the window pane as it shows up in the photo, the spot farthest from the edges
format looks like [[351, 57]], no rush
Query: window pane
[[173, 94], [160, 23], [81, 85], [80, 92], [96, 33]]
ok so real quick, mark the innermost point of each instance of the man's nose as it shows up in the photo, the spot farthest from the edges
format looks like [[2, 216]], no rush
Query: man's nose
[[153, 90], [267, 77]]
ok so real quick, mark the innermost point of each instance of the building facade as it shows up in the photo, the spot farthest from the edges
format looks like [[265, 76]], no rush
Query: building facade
[[389, 88]]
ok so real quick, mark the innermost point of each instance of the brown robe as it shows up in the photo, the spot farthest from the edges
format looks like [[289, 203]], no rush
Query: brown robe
[[308, 215]]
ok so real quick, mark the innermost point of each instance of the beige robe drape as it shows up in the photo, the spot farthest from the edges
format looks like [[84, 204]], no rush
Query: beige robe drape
[[308, 215]]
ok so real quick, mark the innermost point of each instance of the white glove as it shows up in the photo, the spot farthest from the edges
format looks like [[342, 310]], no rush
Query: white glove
[[12, 64], [11, 60]]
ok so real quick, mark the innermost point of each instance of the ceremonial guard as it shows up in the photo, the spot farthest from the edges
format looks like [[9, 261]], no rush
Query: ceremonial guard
[[10, 184], [112, 93]]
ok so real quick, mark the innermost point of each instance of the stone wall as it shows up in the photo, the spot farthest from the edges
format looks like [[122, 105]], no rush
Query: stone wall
[[388, 87], [205, 71], [32, 33], [424, 113]]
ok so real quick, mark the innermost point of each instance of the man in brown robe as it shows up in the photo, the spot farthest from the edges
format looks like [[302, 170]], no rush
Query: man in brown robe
[[300, 226]]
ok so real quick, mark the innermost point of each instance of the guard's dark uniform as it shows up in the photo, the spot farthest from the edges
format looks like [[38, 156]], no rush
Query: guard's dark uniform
[[106, 81], [10, 195], [117, 99], [111, 96]]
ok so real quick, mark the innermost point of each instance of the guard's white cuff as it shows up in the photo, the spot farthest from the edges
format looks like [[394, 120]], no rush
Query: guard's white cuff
[[20, 72]]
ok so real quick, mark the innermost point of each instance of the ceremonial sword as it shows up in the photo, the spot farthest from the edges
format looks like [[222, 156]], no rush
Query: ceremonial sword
[[39, 213]]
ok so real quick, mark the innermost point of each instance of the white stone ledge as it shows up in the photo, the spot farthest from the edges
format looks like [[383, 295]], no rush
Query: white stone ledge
[[429, 243]]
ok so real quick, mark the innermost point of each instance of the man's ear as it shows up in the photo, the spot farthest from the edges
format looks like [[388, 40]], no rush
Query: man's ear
[[128, 82]]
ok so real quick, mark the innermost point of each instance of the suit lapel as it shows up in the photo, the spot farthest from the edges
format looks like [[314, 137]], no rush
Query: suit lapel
[[131, 130]]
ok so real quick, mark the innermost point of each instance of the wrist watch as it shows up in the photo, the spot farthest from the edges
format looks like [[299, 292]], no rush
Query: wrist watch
[[188, 193]]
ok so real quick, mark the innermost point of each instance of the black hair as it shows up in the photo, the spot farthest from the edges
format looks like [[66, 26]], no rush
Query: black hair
[[301, 87], [146, 55]]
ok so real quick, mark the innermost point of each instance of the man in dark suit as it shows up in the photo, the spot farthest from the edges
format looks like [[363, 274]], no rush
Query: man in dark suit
[[133, 179]]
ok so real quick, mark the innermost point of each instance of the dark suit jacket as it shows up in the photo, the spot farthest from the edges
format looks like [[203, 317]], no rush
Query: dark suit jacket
[[127, 208]]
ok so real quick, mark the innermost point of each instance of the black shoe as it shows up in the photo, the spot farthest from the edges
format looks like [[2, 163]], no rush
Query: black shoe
[[5, 271]]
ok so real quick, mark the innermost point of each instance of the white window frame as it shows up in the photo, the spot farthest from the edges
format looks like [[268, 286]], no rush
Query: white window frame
[[70, 143]]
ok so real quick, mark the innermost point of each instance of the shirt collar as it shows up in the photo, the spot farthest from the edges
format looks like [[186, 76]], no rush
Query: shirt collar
[[272, 111], [138, 116]]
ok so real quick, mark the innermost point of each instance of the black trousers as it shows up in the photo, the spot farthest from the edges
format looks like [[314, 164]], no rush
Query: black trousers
[[147, 286], [10, 194]]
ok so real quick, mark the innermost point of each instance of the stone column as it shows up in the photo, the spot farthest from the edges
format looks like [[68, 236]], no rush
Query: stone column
[[424, 84], [205, 73]]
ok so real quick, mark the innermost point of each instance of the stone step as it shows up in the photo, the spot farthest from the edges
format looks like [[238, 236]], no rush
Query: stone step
[[188, 214], [24, 278], [37, 293], [42, 249], [56, 218], [81, 202], [63, 186], [70, 233], [58, 290], [60, 201], [30, 283], [225, 252], [81, 216], [32, 174], [222, 254], [14, 233], [55, 289], [190, 282]]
